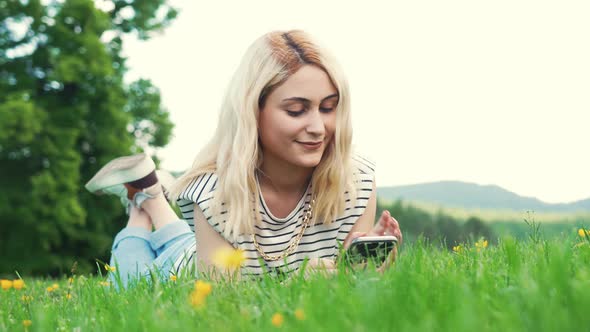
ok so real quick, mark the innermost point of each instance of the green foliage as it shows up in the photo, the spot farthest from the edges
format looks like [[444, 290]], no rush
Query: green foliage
[[64, 112], [513, 286], [21, 121], [151, 125], [439, 227]]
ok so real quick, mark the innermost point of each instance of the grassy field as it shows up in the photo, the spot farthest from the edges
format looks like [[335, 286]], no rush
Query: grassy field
[[532, 285]]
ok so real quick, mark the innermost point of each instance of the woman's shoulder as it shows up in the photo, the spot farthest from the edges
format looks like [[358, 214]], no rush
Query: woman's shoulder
[[200, 188], [362, 165]]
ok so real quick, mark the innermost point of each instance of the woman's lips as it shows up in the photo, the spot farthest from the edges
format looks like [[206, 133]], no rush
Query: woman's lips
[[311, 145]]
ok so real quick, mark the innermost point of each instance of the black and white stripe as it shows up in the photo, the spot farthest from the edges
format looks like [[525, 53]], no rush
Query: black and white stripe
[[275, 234]]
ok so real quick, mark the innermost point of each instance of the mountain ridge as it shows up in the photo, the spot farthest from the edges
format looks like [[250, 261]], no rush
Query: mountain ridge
[[471, 195]]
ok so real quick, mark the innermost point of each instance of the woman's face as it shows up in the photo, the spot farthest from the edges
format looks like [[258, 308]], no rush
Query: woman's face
[[298, 120]]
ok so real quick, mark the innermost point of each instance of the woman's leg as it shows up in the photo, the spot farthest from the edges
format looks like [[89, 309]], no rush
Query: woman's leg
[[159, 210], [136, 249], [172, 239], [132, 252], [174, 245]]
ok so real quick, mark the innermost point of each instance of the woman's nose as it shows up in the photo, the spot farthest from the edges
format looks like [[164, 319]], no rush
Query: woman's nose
[[316, 123]]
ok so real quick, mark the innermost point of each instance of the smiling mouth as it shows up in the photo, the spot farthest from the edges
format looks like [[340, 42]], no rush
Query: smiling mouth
[[311, 145]]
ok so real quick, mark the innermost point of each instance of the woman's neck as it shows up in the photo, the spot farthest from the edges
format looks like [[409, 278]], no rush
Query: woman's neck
[[284, 178]]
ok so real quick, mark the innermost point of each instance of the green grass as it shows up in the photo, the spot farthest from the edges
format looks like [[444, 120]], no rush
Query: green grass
[[532, 285]]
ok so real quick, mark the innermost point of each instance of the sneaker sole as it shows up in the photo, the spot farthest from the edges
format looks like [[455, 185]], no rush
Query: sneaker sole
[[120, 171]]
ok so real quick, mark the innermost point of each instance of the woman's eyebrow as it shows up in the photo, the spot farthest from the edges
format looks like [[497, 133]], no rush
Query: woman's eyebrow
[[307, 101], [331, 96], [299, 99]]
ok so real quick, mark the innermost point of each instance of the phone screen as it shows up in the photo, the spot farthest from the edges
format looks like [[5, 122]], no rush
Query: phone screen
[[375, 249]]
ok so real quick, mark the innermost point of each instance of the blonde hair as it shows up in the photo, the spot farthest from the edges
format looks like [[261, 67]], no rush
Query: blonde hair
[[234, 154]]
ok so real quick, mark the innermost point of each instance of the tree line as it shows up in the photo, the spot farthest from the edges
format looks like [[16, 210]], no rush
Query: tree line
[[437, 228], [65, 110]]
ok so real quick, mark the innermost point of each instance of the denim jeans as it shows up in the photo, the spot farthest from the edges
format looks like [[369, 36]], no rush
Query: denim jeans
[[138, 252]]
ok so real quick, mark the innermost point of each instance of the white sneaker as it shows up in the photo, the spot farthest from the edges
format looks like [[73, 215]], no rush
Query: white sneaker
[[132, 178]]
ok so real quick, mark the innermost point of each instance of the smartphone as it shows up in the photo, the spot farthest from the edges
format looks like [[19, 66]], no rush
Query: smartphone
[[370, 248]]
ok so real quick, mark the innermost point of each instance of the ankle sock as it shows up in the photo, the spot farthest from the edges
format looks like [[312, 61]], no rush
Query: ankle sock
[[140, 190]]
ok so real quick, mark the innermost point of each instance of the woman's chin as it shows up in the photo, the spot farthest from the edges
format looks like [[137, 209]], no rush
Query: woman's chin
[[309, 161]]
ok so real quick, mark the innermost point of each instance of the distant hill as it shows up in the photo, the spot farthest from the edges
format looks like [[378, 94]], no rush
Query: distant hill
[[471, 195]]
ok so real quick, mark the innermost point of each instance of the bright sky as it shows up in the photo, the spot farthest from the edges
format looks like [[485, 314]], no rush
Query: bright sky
[[491, 92]]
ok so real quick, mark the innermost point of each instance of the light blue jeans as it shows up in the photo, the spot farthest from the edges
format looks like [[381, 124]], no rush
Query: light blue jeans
[[138, 252]]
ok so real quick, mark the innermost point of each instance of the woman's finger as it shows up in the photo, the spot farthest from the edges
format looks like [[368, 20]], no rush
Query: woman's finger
[[321, 263], [389, 261], [322, 266], [394, 229], [353, 236], [399, 235], [381, 225], [327, 264]]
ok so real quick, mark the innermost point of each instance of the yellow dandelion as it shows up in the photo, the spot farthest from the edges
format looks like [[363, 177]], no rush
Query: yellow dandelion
[[229, 258], [173, 278], [583, 232], [236, 258], [110, 268], [200, 293], [202, 287], [27, 323], [70, 280], [49, 289], [18, 284], [55, 286], [299, 314], [69, 296], [457, 248], [481, 244], [27, 298], [277, 320], [197, 299], [104, 283], [5, 284]]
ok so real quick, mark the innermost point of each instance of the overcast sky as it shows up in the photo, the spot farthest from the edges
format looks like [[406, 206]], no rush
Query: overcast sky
[[491, 92]]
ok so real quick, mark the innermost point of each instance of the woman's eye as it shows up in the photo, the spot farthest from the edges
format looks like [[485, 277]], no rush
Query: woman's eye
[[326, 109], [295, 113]]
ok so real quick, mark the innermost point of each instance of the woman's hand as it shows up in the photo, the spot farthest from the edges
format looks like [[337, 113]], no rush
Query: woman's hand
[[387, 225], [324, 266]]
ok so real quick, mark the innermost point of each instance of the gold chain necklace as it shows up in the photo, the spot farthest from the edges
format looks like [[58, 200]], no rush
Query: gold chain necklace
[[293, 245]]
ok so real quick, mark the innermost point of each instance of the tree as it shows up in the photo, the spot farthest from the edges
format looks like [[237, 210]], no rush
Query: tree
[[474, 228], [449, 229], [65, 111]]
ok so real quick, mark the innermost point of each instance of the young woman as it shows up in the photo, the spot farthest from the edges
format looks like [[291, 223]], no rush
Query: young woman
[[278, 180]]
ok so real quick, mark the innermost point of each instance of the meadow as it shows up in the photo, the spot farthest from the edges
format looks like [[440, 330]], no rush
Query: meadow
[[536, 284]]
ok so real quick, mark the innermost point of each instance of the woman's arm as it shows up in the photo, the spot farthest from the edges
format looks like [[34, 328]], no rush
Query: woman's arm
[[209, 242], [386, 225], [364, 223], [361, 227]]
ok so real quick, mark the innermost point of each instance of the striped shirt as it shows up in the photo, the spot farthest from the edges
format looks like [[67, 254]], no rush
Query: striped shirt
[[275, 234]]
